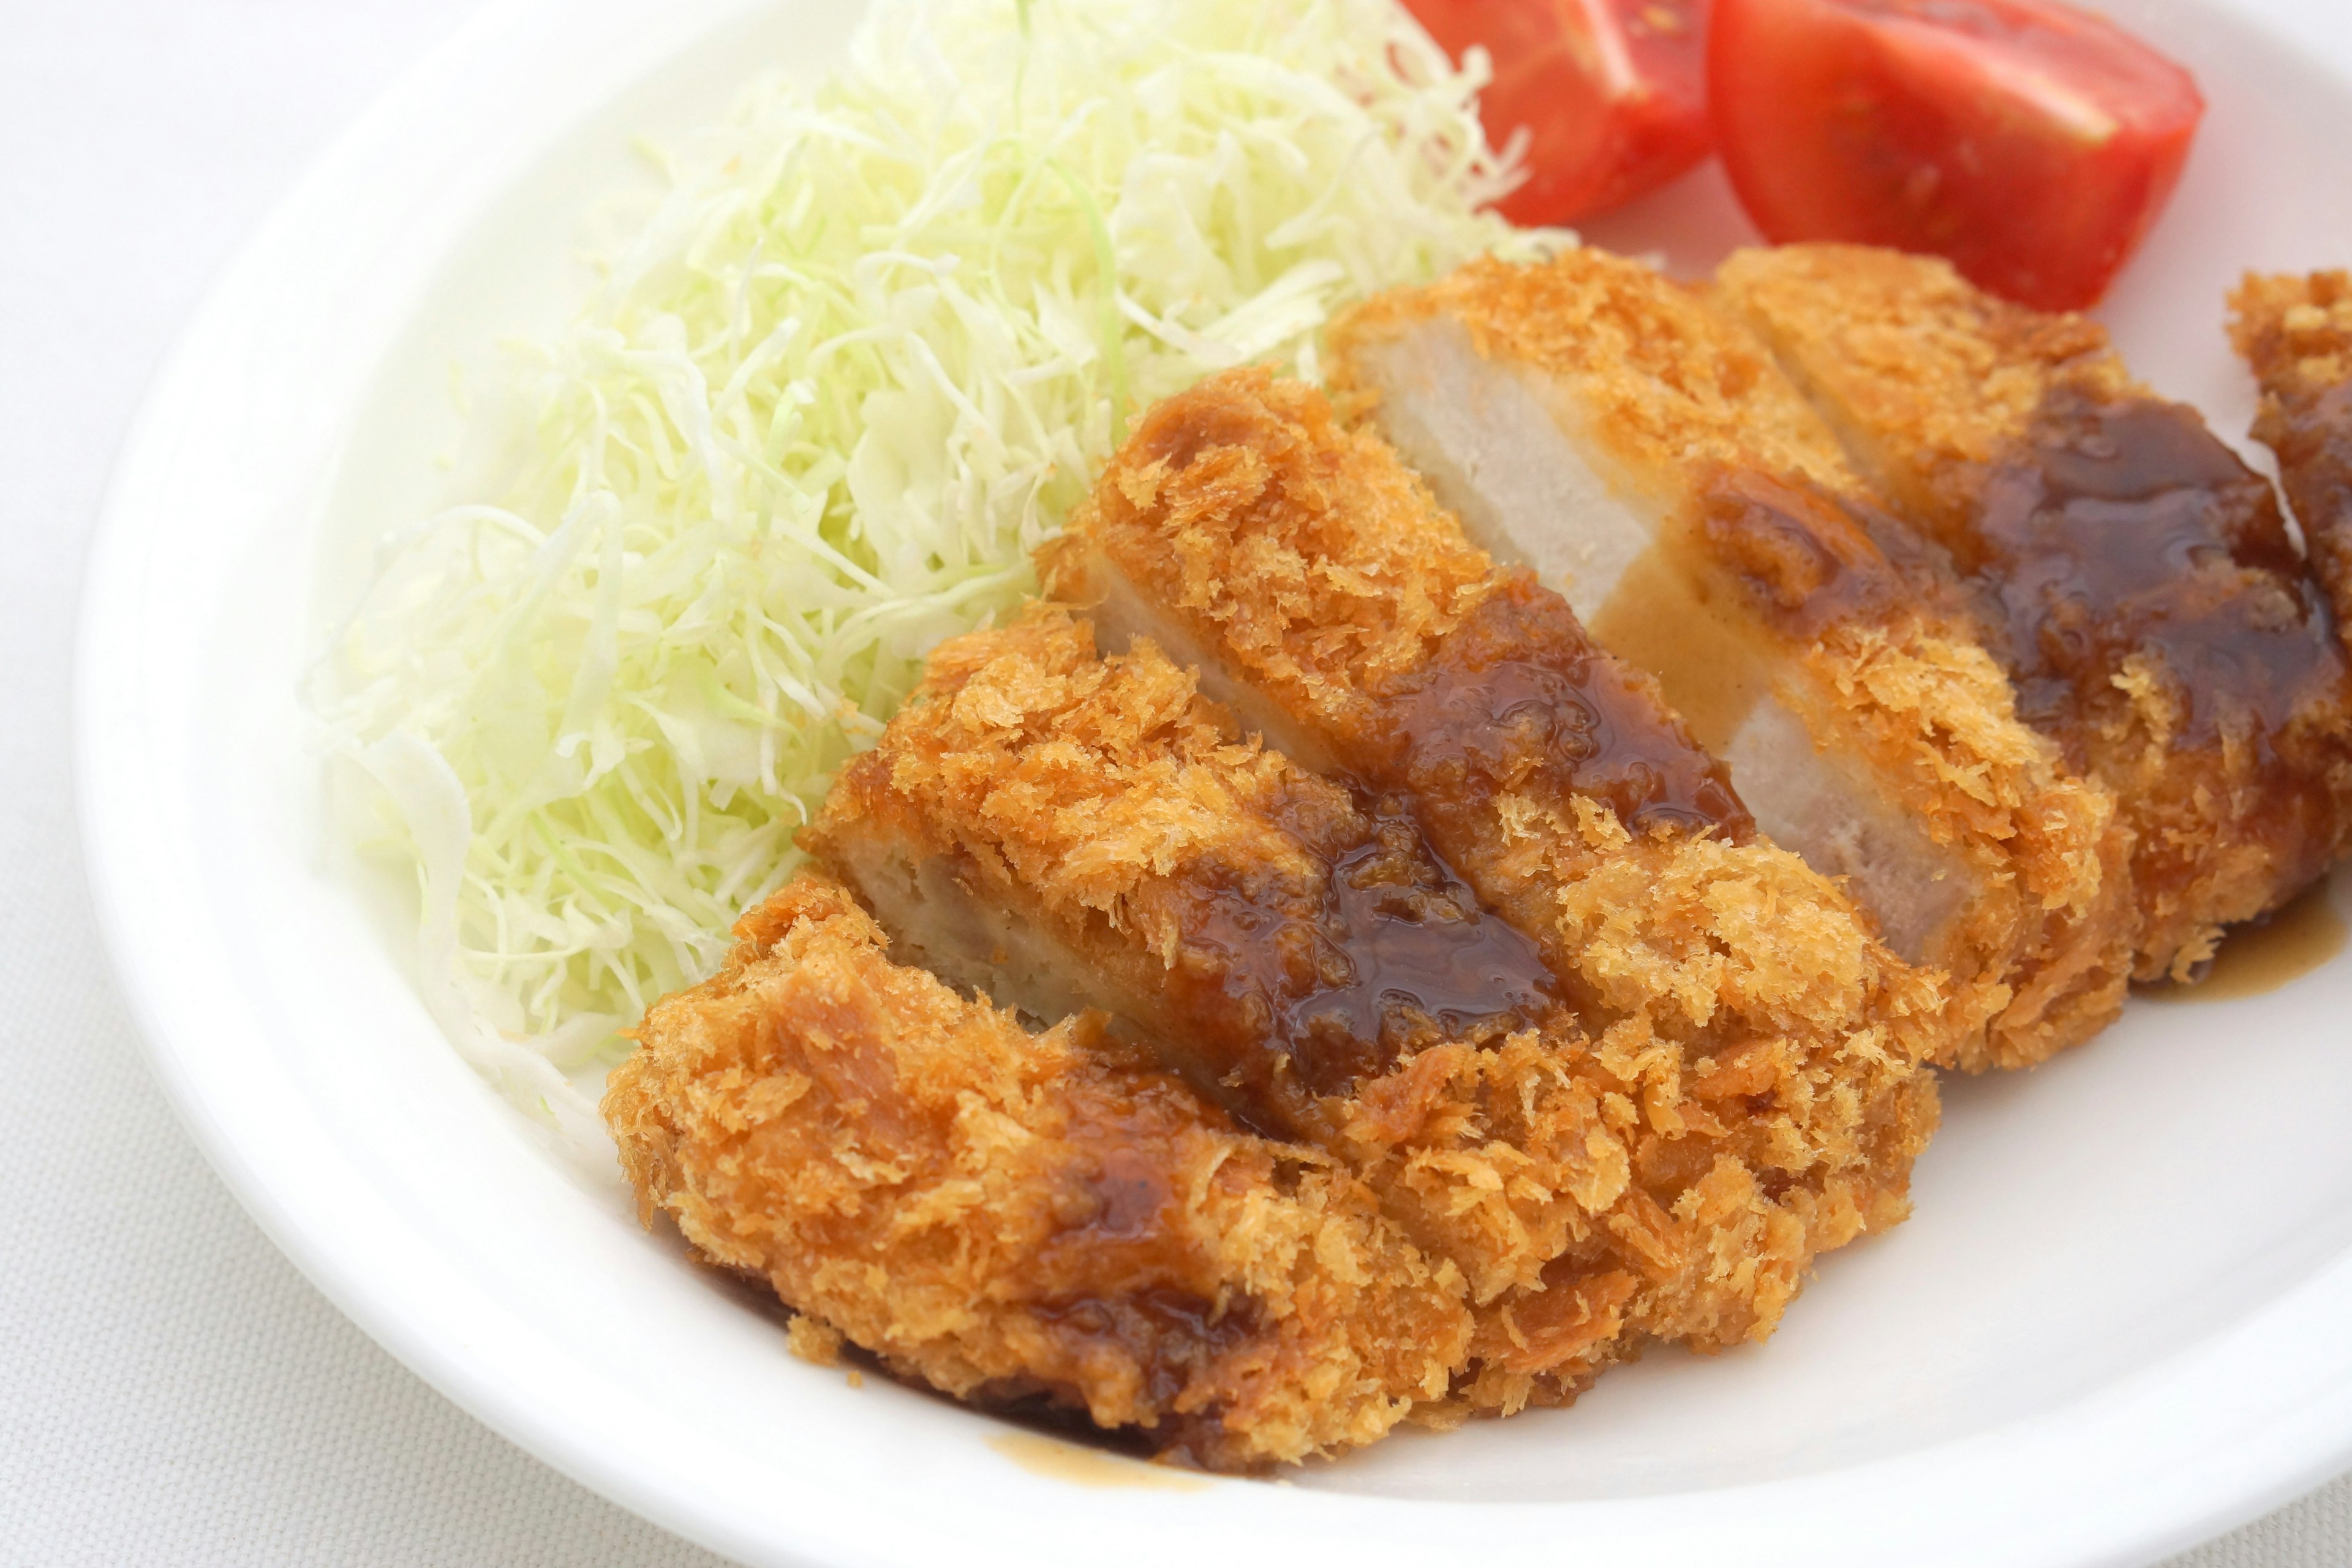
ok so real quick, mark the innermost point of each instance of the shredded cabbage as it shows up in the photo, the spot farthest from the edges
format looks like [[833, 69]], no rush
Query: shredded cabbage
[[866, 352]]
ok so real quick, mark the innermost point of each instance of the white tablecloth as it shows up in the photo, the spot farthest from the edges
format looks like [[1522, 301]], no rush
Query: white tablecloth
[[171, 1391]]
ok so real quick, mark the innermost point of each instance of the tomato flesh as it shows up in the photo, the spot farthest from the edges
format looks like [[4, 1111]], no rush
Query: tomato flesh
[[1611, 94], [2031, 143]]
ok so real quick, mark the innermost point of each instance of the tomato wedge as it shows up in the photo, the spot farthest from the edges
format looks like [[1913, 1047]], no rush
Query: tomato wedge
[[1612, 93], [2032, 143]]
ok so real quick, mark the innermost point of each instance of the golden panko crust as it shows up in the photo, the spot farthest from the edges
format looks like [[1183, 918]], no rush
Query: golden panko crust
[[1925, 376], [1092, 780], [1108, 804], [1755, 1059], [1674, 387], [1340, 584], [2297, 335], [1673, 392], [2048, 941], [1243, 507], [2195, 674], [1536, 1163], [1004, 1214]]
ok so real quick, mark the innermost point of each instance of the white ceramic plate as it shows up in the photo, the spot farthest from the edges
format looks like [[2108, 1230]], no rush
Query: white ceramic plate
[[2117, 1323]]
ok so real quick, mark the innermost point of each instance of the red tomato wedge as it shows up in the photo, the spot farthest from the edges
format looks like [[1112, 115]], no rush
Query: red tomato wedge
[[1612, 93], [2032, 143]]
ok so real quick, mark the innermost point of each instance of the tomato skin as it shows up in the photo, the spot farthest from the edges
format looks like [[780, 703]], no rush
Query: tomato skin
[[2032, 145], [1612, 93]]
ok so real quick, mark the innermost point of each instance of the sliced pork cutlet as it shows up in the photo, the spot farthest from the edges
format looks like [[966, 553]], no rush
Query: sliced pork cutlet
[[1007, 1214], [1598, 423], [1314, 575], [1069, 832], [2297, 335], [1062, 830], [2137, 578]]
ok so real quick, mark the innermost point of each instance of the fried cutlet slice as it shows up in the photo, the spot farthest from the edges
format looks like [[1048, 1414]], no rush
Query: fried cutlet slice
[[1004, 1214], [1064, 831], [1313, 576], [2134, 578], [1596, 1190], [1067, 832], [1597, 422], [2297, 335]]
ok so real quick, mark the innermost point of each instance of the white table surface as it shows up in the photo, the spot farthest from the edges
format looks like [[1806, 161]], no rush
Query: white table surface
[[171, 1391]]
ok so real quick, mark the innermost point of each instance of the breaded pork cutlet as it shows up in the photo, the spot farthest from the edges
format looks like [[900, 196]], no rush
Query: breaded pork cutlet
[[2135, 578], [1067, 832], [2297, 335], [1063, 826], [1315, 573], [1005, 1213], [1317, 581], [1599, 422]]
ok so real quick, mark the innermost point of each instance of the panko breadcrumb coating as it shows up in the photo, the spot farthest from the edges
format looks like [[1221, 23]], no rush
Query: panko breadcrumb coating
[[1671, 1177], [1592, 417], [1596, 1193], [1203, 885], [2297, 335], [1262, 927], [2134, 578], [1313, 571], [1319, 573], [1004, 1214]]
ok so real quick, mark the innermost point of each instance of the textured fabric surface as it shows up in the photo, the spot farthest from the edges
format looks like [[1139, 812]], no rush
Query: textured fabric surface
[[171, 1391]]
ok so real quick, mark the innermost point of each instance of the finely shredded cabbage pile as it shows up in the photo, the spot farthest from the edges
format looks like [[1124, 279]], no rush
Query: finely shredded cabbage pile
[[867, 351]]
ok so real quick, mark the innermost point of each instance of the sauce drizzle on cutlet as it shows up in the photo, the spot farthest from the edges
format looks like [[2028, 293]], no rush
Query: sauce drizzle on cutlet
[[1396, 956], [2315, 450], [1663, 617], [2126, 525], [2261, 956], [1520, 693]]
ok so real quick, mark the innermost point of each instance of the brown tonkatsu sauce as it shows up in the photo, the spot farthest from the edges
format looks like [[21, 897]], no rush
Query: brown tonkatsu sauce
[[1752, 569], [2261, 956], [1170, 1332], [2127, 528], [2138, 583], [2295, 334], [1518, 699], [1170, 1335], [1803, 560], [1328, 986], [1288, 987]]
